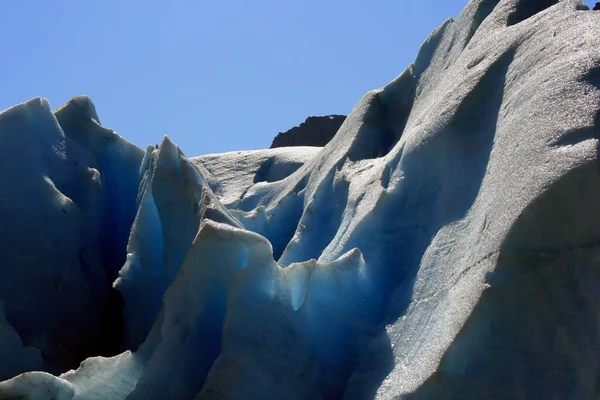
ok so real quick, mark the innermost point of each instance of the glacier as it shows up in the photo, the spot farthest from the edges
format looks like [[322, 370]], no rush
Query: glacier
[[442, 245]]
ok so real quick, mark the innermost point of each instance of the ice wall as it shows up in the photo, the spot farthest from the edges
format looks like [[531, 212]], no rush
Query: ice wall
[[444, 244], [54, 280]]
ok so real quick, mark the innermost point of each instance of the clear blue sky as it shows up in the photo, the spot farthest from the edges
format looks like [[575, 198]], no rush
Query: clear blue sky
[[214, 75]]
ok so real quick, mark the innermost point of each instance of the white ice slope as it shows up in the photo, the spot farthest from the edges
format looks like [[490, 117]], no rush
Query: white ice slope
[[444, 244]]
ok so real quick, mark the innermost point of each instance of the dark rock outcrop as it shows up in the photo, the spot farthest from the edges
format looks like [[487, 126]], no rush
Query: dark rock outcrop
[[315, 131]]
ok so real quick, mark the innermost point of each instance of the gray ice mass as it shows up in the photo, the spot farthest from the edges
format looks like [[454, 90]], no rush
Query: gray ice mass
[[445, 244]]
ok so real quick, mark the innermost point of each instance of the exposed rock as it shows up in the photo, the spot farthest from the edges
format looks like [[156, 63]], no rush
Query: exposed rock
[[315, 131]]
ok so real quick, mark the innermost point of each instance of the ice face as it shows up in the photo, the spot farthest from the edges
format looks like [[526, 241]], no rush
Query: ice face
[[50, 214], [231, 174], [36, 386], [444, 244], [119, 162], [174, 197], [17, 357]]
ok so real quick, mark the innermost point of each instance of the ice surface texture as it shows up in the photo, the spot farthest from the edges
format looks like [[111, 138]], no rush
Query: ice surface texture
[[444, 244]]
